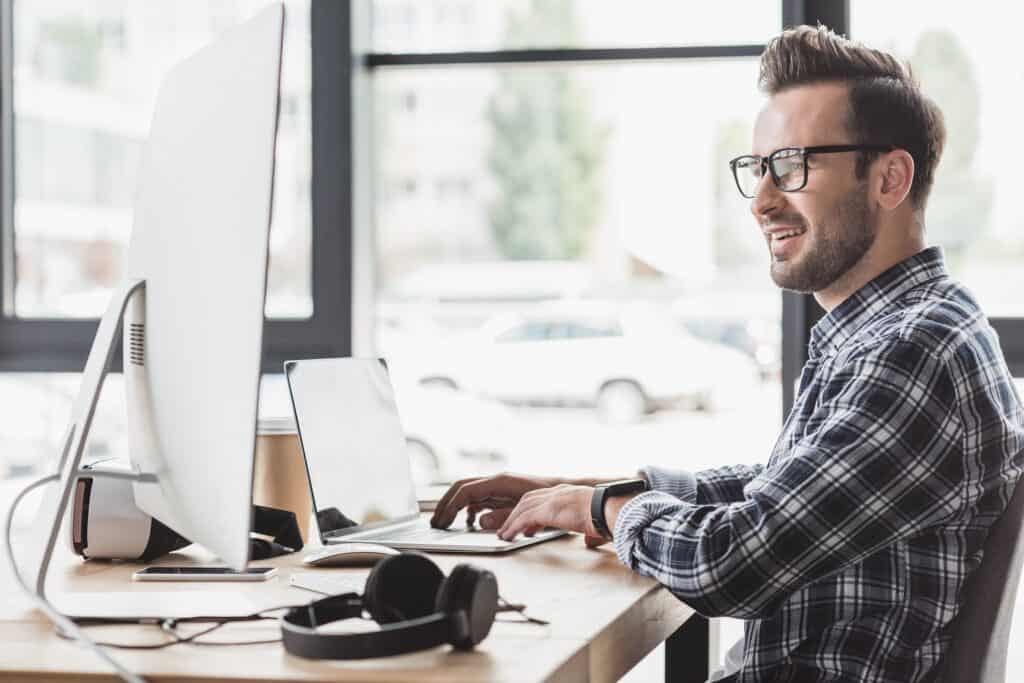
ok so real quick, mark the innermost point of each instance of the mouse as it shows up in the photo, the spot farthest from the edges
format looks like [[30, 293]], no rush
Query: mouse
[[349, 555]]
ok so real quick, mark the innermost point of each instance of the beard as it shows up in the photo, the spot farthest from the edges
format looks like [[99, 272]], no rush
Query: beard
[[832, 248]]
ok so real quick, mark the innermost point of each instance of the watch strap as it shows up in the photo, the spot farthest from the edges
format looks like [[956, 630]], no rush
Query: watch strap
[[600, 496], [597, 511]]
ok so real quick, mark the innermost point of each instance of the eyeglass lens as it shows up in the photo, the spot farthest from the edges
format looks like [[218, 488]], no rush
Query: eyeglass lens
[[787, 166]]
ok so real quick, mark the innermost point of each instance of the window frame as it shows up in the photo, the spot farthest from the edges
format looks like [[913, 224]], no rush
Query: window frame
[[339, 32], [800, 311], [37, 344]]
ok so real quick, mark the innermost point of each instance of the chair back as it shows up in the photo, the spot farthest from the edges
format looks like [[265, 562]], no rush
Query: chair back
[[981, 631]]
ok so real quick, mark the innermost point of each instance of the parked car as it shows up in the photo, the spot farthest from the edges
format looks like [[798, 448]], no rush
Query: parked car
[[755, 337], [625, 363]]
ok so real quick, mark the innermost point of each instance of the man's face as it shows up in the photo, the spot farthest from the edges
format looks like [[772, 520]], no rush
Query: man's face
[[834, 223]]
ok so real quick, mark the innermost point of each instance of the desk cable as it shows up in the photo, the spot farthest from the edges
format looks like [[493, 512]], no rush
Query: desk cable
[[169, 626], [69, 629], [65, 627]]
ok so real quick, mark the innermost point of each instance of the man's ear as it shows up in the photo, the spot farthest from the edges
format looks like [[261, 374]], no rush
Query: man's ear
[[896, 178]]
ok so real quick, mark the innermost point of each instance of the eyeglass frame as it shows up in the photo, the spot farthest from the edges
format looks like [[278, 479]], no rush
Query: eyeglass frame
[[805, 152]]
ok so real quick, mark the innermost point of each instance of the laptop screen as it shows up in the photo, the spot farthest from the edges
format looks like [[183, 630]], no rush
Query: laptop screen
[[353, 443]]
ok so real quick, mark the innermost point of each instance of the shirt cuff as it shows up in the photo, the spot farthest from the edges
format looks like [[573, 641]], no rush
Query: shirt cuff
[[635, 516], [678, 483]]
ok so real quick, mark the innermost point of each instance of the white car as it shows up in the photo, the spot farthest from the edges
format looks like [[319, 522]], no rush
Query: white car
[[450, 434], [625, 364]]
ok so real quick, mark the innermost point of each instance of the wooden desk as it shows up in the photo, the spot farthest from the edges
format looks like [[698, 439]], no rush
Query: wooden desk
[[604, 619]]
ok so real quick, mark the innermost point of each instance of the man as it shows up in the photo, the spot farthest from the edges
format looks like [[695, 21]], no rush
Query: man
[[846, 552]]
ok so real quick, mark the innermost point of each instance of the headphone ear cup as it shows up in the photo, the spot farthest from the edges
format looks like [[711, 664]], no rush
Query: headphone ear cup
[[473, 592], [402, 587]]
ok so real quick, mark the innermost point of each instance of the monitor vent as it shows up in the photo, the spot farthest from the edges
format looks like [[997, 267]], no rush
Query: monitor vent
[[137, 344]]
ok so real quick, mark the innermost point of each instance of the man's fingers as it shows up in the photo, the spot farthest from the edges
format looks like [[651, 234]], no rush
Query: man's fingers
[[442, 504], [521, 515], [471, 513], [495, 518], [462, 495], [499, 490]]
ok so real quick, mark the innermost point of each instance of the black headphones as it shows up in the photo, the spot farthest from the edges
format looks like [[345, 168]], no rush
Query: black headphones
[[416, 606]]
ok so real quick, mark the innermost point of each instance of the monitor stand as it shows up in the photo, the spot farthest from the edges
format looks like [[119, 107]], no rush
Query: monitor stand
[[46, 527]]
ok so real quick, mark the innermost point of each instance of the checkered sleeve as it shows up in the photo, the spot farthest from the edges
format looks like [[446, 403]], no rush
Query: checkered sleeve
[[720, 485], [878, 462], [724, 484], [678, 483]]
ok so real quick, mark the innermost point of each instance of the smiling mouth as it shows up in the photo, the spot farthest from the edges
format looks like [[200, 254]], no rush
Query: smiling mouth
[[787, 234]]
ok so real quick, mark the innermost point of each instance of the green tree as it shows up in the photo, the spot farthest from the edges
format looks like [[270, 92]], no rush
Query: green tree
[[546, 151], [69, 49], [960, 204]]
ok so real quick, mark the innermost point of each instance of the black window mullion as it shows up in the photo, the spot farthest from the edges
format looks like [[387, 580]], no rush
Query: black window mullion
[[329, 331], [47, 345], [799, 313], [832, 13], [555, 55], [1011, 338]]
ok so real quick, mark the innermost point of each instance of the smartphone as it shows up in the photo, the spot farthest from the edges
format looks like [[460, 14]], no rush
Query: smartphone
[[203, 574]]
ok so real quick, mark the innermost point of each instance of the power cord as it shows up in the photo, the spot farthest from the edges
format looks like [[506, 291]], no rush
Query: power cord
[[169, 627], [70, 629], [506, 606], [66, 628]]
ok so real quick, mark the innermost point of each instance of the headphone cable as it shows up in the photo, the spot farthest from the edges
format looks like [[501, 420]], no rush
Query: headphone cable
[[506, 606]]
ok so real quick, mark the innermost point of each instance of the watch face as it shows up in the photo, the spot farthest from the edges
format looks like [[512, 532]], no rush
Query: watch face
[[618, 488]]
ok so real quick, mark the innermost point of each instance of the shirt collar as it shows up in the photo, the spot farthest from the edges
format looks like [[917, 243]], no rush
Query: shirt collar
[[874, 298]]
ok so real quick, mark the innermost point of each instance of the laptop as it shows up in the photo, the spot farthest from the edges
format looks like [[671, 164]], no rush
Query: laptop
[[359, 471]]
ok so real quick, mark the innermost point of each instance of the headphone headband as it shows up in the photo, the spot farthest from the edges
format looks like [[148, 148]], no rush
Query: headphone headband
[[464, 607], [392, 639]]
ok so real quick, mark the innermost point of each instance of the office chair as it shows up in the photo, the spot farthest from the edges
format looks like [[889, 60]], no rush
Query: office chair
[[981, 631]]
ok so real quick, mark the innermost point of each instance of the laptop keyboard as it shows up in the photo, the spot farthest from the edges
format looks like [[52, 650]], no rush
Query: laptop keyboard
[[428, 534]]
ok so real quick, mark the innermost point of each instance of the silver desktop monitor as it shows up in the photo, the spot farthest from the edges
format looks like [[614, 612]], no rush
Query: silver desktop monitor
[[192, 303], [200, 242]]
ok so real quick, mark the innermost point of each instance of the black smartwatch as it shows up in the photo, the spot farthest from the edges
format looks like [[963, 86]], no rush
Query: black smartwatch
[[605, 491]]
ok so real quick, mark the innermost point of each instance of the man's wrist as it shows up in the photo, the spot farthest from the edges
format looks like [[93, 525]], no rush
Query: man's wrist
[[604, 509], [613, 506]]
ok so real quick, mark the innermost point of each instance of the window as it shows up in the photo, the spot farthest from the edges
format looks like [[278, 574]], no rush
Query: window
[[589, 330], [596, 223], [85, 78], [463, 25], [529, 332], [959, 55]]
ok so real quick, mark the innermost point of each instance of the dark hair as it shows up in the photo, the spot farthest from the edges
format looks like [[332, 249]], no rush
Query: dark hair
[[886, 102]]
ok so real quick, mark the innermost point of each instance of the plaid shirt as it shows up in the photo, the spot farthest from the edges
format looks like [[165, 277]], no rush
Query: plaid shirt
[[847, 551]]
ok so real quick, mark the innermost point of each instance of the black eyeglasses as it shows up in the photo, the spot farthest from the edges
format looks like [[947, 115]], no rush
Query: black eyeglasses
[[788, 166]]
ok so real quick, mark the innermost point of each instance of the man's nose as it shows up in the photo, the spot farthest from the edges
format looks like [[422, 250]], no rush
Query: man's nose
[[767, 199]]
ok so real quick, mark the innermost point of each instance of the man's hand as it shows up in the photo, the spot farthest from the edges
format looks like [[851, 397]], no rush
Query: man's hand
[[499, 494], [564, 506]]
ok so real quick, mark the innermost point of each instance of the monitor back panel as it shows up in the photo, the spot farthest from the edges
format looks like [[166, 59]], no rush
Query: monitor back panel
[[200, 241]]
